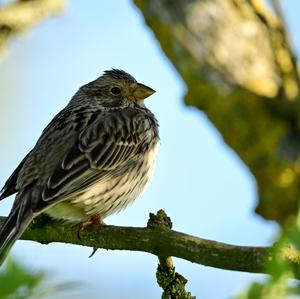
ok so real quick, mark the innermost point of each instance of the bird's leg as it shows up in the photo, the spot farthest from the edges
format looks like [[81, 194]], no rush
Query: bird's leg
[[95, 219]]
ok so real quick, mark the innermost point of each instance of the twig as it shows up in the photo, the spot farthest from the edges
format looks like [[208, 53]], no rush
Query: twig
[[172, 283]]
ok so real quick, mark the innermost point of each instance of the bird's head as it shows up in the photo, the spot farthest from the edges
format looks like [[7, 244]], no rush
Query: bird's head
[[117, 88]]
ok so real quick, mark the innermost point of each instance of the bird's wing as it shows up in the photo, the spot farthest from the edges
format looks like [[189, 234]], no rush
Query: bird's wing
[[10, 186], [109, 142]]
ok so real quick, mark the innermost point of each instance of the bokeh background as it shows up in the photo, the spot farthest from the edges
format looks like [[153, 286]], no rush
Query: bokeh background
[[199, 181]]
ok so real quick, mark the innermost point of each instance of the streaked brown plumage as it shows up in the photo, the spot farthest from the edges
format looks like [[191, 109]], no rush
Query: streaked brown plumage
[[93, 159]]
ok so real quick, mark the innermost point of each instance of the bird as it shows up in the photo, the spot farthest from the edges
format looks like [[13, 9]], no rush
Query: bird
[[93, 159]]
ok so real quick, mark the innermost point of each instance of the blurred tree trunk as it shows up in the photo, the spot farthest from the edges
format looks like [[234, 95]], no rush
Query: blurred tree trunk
[[237, 63]]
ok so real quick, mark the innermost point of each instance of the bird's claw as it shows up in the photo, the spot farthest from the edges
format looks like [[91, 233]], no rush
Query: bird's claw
[[93, 252]]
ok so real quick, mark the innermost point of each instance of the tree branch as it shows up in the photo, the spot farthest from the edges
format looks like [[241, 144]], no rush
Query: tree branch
[[158, 241], [21, 15], [283, 54], [286, 39]]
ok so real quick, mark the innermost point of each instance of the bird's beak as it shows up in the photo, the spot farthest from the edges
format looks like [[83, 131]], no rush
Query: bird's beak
[[142, 92]]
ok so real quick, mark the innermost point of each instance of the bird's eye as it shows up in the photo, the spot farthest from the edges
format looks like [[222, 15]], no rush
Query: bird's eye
[[115, 90]]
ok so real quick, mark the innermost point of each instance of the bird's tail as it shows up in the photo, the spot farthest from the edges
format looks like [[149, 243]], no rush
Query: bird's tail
[[15, 224]]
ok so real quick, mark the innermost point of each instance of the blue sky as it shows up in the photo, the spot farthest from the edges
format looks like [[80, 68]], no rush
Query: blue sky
[[200, 182]]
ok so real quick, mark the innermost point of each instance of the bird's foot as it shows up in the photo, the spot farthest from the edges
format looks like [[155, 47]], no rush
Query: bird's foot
[[93, 220]]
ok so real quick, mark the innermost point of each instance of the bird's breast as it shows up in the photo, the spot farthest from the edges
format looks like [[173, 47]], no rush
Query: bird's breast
[[111, 193]]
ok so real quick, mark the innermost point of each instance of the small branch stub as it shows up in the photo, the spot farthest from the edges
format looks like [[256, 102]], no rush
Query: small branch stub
[[172, 283], [159, 220]]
